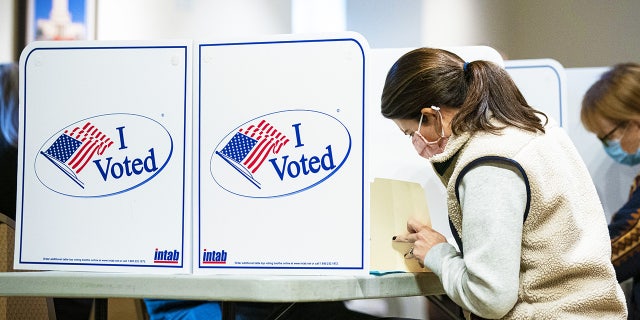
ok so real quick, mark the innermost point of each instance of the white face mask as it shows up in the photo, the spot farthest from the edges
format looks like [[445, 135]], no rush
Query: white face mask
[[428, 149]]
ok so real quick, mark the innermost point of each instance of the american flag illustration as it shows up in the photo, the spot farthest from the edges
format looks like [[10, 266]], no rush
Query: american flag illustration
[[249, 148], [74, 149]]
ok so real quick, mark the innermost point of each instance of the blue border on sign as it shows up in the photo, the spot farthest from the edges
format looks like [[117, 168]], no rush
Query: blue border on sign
[[557, 77]]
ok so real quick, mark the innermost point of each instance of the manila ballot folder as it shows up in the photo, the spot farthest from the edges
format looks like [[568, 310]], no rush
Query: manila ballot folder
[[393, 203]]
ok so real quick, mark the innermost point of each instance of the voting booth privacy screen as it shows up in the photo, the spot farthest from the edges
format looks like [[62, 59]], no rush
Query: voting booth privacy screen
[[194, 157], [104, 157], [281, 172]]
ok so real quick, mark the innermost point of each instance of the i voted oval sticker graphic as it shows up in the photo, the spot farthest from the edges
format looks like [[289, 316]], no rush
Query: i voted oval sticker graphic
[[280, 153], [104, 155]]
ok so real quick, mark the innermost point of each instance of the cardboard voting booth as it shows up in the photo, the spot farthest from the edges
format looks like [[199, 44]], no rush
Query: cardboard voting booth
[[104, 157], [280, 174]]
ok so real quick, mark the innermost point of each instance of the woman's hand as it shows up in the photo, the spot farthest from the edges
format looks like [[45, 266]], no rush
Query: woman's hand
[[422, 237]]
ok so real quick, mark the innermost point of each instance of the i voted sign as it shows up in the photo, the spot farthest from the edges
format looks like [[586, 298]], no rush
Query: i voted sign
[[280, 153], [279, 142], [103, 155]]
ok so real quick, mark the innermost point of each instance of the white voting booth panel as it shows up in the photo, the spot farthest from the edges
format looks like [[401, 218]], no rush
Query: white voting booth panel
[[543, 84], [280, 173], [104, 163]]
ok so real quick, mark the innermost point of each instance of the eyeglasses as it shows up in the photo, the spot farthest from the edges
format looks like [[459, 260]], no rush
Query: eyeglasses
[[605, 138]]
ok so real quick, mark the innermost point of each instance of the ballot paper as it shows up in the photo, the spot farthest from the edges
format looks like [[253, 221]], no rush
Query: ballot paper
[[393, 203]]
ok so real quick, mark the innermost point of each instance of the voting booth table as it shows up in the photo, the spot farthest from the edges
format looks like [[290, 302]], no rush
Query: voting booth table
[[227, 170]]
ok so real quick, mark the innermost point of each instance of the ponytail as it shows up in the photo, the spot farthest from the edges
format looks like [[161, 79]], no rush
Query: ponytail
[[491, 93], [480, 90]]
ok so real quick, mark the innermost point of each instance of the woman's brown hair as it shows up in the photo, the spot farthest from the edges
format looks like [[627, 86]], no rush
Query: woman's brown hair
[[615, 96], [480, 90]]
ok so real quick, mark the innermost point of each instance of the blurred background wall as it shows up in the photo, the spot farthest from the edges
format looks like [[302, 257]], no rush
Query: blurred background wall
[[577, 33]]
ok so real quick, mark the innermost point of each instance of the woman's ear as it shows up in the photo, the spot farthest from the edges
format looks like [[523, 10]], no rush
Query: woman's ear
[[428, 111]]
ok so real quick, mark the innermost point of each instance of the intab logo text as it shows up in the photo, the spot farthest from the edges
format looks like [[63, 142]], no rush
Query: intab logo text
[[214, 257], [166, 256]]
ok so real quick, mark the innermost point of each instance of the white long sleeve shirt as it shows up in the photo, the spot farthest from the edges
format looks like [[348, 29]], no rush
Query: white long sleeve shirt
[[493, 199]]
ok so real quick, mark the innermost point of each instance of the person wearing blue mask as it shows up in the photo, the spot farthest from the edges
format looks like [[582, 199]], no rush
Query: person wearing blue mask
[[611, 110], [531, 234]]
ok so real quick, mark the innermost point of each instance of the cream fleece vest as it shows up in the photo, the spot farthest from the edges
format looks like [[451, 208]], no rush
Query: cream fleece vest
[[565, 268]]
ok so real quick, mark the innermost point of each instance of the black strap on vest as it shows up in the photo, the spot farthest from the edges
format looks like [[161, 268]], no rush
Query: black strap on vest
[[476, 163]]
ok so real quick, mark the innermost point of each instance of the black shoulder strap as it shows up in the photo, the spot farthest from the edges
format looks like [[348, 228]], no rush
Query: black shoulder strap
[[476, 163]]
